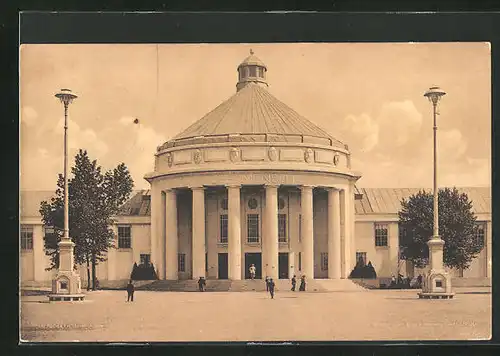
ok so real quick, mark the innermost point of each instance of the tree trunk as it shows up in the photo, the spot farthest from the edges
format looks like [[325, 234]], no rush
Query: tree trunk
[[88, 273], [93, 272]]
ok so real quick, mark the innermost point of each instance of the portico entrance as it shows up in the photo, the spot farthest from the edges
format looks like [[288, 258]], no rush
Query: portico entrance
[[256, 260], [283, 265]]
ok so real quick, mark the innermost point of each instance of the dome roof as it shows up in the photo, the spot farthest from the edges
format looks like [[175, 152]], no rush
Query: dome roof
[[254, 115], [252, 60], [254, 111]]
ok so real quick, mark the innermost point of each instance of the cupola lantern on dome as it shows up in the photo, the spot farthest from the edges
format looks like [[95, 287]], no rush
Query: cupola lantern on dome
[[251, 70]]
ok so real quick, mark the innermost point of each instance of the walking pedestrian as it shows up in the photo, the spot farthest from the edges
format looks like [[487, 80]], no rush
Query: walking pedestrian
[[302, 287], [252, 271], [294, 283], [271, 287], [267, 284], [130, 291], [201, 284]]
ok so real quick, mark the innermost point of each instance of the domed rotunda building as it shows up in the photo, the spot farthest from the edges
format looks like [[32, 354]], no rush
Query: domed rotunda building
[[252, 182]]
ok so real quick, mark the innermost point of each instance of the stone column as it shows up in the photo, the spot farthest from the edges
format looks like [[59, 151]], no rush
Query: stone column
[[171, 235], [271, 234], [352, 228], [393, 231], [198, 232], [234, 227], [38, 253], [344, 227], [334, 255], [156, 228], [307, 232]]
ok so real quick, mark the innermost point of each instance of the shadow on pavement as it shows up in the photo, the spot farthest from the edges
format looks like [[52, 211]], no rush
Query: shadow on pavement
[[29, 293]]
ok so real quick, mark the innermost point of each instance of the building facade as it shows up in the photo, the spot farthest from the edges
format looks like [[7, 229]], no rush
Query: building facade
[[252, 182]]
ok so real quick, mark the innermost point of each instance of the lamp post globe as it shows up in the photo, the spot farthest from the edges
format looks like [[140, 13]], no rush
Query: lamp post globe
[[437, 283]]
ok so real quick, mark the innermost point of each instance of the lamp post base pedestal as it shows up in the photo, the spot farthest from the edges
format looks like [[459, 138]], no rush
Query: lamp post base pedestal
[[66, 285]]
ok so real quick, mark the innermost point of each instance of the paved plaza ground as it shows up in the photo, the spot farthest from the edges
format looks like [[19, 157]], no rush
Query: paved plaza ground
[[232, 316]]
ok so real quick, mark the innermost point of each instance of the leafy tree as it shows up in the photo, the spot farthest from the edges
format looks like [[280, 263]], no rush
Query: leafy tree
[[94, 198], [457, 227]]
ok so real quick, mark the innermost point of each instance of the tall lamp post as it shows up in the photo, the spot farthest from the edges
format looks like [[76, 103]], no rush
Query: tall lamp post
[[437, 283], [66, 284]]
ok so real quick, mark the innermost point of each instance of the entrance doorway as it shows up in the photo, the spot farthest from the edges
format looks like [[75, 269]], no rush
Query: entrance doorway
[[256, 260], [222, 266], [283, 265]]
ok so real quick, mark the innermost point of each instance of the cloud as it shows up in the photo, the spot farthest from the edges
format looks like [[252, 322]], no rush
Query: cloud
[[451, 147], [362, 130], [39, 169], [79, 138], [399, 123], [29, 116], [472, 172], [135, 146]]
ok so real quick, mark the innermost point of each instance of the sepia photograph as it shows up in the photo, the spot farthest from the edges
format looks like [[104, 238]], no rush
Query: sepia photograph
[[255, 192]]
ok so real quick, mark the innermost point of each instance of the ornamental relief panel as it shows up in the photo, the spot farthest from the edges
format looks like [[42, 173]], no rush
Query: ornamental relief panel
[[234, 154], [197, 156], [273, 154], [216, 154], [323, 156], [182, 157], [336, 159], [308, 155], [291, 154]]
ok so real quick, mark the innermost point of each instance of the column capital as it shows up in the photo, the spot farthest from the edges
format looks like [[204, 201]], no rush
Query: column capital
[[271, 186], [233, 186], [197, 188], [334, 189], [306, 187]]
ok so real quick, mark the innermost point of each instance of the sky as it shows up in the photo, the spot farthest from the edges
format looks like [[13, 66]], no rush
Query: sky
[[368, 95]]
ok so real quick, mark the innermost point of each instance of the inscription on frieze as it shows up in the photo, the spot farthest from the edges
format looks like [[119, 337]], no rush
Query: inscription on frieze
[[267, 178]]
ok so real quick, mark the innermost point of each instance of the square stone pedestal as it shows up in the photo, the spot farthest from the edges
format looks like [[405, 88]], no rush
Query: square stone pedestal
[[66, 285], [436, 286]]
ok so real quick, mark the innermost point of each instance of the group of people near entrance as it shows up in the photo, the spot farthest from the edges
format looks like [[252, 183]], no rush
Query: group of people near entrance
[[270, 285]]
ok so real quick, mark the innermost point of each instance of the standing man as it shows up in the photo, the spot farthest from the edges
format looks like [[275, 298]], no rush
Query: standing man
[[267, 284], [294, 283], [271, 287], [130, 291], [252, 270]]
